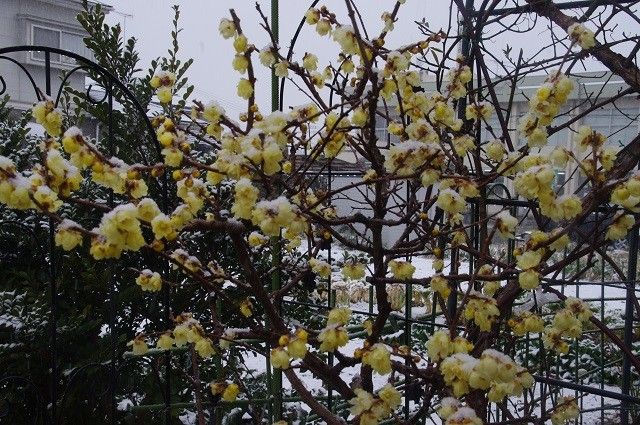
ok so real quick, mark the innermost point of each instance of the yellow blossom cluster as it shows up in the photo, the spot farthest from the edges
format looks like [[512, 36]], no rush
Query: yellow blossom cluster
[[173, 141], [543, 108], [567, 323], [371, 410], [289, 347], [493, 371], [189, 331], [182, 258], [528, 261], [526, 322], [407, 158], [149, 281], [47, 115], [119, 230], [457, 79], [627, 194], [620, 226], [483, 310], [19, 192], [440, 346], [334, 335], [163, 82], [277, 214]]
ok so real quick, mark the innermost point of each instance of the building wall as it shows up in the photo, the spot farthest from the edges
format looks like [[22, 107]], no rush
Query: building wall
[[18, 20]]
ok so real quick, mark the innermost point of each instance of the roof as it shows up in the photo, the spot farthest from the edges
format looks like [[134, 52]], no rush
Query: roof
[[337, 165]]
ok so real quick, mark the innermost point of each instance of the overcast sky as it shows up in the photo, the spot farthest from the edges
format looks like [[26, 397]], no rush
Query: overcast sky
[[150, 22]]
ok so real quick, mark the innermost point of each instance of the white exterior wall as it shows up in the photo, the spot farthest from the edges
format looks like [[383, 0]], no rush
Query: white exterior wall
[[17, 18]]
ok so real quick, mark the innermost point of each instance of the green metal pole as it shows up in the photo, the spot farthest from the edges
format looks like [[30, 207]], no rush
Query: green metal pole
[[276, 283]]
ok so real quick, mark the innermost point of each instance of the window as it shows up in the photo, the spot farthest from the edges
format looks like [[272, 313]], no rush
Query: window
[[62, 39], [619, 124], [46, 37]]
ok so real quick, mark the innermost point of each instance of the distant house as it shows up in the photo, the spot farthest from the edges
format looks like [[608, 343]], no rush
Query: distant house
[[49, 23], [619, 121]]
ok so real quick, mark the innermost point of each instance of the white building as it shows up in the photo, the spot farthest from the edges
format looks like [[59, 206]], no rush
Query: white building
[[49, 23]]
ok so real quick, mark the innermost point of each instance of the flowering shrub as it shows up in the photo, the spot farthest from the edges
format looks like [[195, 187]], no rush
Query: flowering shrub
[[264, 159]]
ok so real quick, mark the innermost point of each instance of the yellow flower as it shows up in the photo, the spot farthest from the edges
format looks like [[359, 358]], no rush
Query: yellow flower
[[297, 348], [256, 239], [66, 236], [390, 396], [323, 27], [339, 316], [149, 281], [245, 199], [362, 402], [279, 358], [476, 111], [379, 358], [231, 392], [139, 346], [529, 279], [172, 156], [281, 69], [439, 284], [312, 16], [506, 224], [163, 228], [267, 56], [566, 410], [204, 348], [245, 88], [620, 227], [448, 406], [165, 94], [529, 259], [451, 201], [483, 310], [310, 62], [319, 267], [165, 342], [246, 307], [495, 150], [439, 346], [332, 337], [240, 63], [353, 270], [227, 28], [48, 116], [240, 43], [401, 270]]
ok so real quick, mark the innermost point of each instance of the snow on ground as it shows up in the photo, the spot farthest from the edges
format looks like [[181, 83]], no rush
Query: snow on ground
[[592, 292]]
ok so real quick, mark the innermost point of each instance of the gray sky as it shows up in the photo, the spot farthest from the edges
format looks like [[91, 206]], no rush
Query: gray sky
[[150, 22]]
